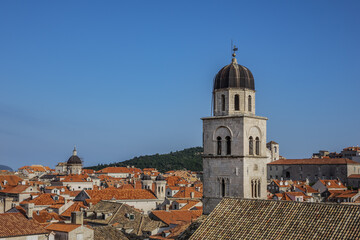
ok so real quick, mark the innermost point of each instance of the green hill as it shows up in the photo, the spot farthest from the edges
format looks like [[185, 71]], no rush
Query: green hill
[[189, 159]]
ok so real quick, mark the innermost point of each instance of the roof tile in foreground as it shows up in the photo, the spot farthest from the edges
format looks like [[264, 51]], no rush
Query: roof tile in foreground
[[235, 218]]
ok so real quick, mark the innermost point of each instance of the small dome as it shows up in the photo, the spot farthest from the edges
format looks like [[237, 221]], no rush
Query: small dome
[[74, 160], [146, 177], [160, 178], [234, 76]]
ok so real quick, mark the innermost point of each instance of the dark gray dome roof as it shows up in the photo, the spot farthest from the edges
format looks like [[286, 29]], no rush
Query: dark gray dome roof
[[74, 160], [146, 177], [234, 76], [160, 178]]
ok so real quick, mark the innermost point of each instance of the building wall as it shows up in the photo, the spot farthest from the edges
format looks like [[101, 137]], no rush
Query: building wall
[[146, 205], [230, 101], [299, 172]]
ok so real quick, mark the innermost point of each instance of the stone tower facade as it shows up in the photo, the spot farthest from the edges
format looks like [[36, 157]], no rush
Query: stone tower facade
[[234, 140], [160, 187]]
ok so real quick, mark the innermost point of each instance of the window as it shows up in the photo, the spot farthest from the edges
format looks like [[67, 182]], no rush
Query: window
[[251, 146], [275, 149], [249, 103], [228, 145], [218, 145], [255, 188], [131, 216], [223, 188], [223, 102], [237, 102], [257, 146]]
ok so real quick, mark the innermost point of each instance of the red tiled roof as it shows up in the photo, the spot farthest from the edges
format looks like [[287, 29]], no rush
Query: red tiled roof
[[75, 178], [12, 180], [45, 199], [15, 189], [119, 170], [332, 184], [354, 176], [185, 192], [62, 227], [76, 207], [177, 216], [16, 224], [313, 161], [44, 216], [119, 194]]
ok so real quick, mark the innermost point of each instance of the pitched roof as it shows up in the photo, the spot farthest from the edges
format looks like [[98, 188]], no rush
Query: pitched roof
[[313, 161], [44, 216], [235, 218], [62, 227], [119, 194], [46, 199], [333, 184], [15, 189], [75, 207], [11, 180], [185, 192], [16, 224], [119, 170], [354, 176], [177, 216]]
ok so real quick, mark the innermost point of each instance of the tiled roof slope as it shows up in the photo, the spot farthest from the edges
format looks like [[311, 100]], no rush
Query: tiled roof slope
[[314, 161], [235, 218], [15, 224]]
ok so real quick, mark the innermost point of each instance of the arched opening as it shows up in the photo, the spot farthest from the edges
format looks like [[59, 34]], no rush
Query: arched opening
[[287, 175], [251, 146], [223, 188], [237, 102], [257, 146], [223, 102], [218, 145], [249, 103], [228, 145]]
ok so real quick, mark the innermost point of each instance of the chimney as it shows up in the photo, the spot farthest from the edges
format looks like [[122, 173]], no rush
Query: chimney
[[167, 207], [192, 194], [29, 208], [77, 218]]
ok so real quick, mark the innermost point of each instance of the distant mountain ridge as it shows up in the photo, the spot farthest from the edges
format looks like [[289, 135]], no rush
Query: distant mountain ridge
[[3, 167], [189, 159]]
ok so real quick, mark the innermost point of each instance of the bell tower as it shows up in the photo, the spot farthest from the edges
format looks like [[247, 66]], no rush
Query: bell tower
[[234, 140]]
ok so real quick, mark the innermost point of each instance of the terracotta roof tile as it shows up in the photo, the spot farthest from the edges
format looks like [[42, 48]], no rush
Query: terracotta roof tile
[[46, 199], [62, 227], [235, 218], [16, 224], [177, 216]]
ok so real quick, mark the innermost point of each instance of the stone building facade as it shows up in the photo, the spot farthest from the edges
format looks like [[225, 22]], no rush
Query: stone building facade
[[313, 169], [234, 139]]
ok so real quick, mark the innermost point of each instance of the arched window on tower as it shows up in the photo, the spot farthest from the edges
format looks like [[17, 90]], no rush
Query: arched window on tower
[[223, 188], [228, 145], [223, 102], [237, 102], [257, 146], [218, 145], [249, 103], [251, 146]]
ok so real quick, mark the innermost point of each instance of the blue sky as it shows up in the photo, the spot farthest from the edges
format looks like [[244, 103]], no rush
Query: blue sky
[[121, 79]]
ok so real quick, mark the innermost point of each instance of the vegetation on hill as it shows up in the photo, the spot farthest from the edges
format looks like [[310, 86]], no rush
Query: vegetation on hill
[[189, 159], [3, 167]]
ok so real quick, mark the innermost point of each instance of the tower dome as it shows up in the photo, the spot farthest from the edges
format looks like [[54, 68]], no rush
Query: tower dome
[[74, 159], [234, 75]]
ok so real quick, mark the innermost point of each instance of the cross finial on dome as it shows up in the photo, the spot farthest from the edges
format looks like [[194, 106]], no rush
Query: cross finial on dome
[[234, 50], [74, 151]]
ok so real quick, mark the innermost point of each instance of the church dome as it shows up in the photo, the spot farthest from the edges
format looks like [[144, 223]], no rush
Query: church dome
[[160, 178], [74, 159], [234, 76]]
